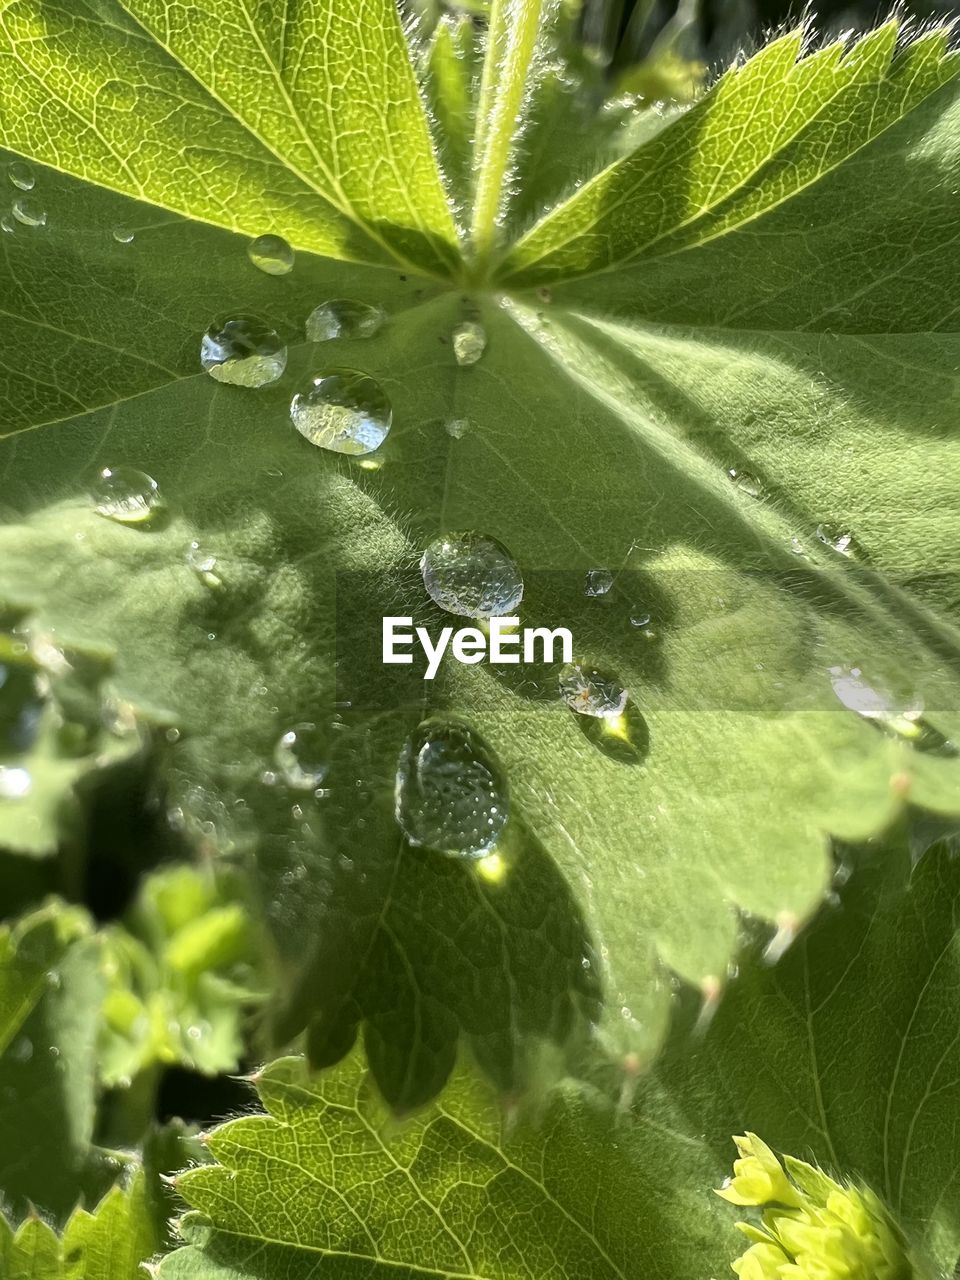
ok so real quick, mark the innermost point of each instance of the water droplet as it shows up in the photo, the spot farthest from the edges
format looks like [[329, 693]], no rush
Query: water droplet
[[123, 235], [342, 410], [590, 692], [469, 342], [301, 757], [873, 702], [29, 212], [7, 224], [14, 783], [839, 539], [797, 547], [472, 575], [745, 482], [203, 564], [125, 494], [457, 427], [271, 254], [21, 175], [343, 318], [598, 582], [243, 351], [451, 791], [640, 619]]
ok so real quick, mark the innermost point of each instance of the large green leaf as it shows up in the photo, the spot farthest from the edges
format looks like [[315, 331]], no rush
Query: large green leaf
[[837, 1053], [786, 347]]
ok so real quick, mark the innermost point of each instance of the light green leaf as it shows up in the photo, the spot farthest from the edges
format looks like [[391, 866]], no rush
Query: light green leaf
[[839, 1053], [602, 423], [108, 1243]]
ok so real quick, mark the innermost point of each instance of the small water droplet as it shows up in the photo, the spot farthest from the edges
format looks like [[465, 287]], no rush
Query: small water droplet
[[14, 783], [21, 175], [469, 342], [203, 564], [590, 692], [745, 482], [838, 538], [597, 582], [271, 254], [125, 494], [451, 792], [123, 235], [457, 427], [8, 225], [29, 212], [243, 351], [342, 410], [301, 757], [472, 575], [797, 547], [640, 619], [344, 318]]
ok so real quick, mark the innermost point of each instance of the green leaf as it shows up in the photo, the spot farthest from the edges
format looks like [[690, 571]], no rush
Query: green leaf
[[51, 987], [602, 423], [109, 1243], [837, 1052]]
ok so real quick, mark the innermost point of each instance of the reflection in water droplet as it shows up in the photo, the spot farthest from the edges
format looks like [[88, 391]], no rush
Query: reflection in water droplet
[[590, 692], [29, 212], [243, 351], [873, 702], [745, 482], [451, 792], [457, 427], [598, 582], [836, 537], [343, 318], [125, 494], [301, 757], [469, 342], [14, 783], [203, 564], [472, 575], [271, 254], [123, 235], [342, 410], [21, 175]]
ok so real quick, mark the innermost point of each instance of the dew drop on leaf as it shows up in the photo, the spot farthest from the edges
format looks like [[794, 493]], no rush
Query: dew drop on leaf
[[590, 692], [271, 254], [640, 619], [300, 757], [745, 482], [597, 582], [21, 175], [203, 564], [457, 427], [471, 575], [451, 792], [837, 538], [343, 318], [15, 783], [125, 494], [342, 410], [469, 342], [7, 224], [123, 235], [243, 351], [29, 212], [873, 702]]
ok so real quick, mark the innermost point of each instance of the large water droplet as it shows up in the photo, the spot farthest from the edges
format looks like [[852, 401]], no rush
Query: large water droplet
[[342, 410], [472, 575], [451, 792], [123, 235], [745, 482], [469, 342], [125, 494], [343, 318], [29, 212], [597, 582], [838, 538], [21, 175], [271, 254], [301, 757], [243, 351], [590, 692], [14, 783]]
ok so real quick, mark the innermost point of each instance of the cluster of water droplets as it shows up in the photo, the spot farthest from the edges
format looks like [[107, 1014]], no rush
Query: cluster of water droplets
[[25, 208]]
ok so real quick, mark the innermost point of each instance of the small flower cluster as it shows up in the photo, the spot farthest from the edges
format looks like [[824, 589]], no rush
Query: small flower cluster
[[813, 1228]]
